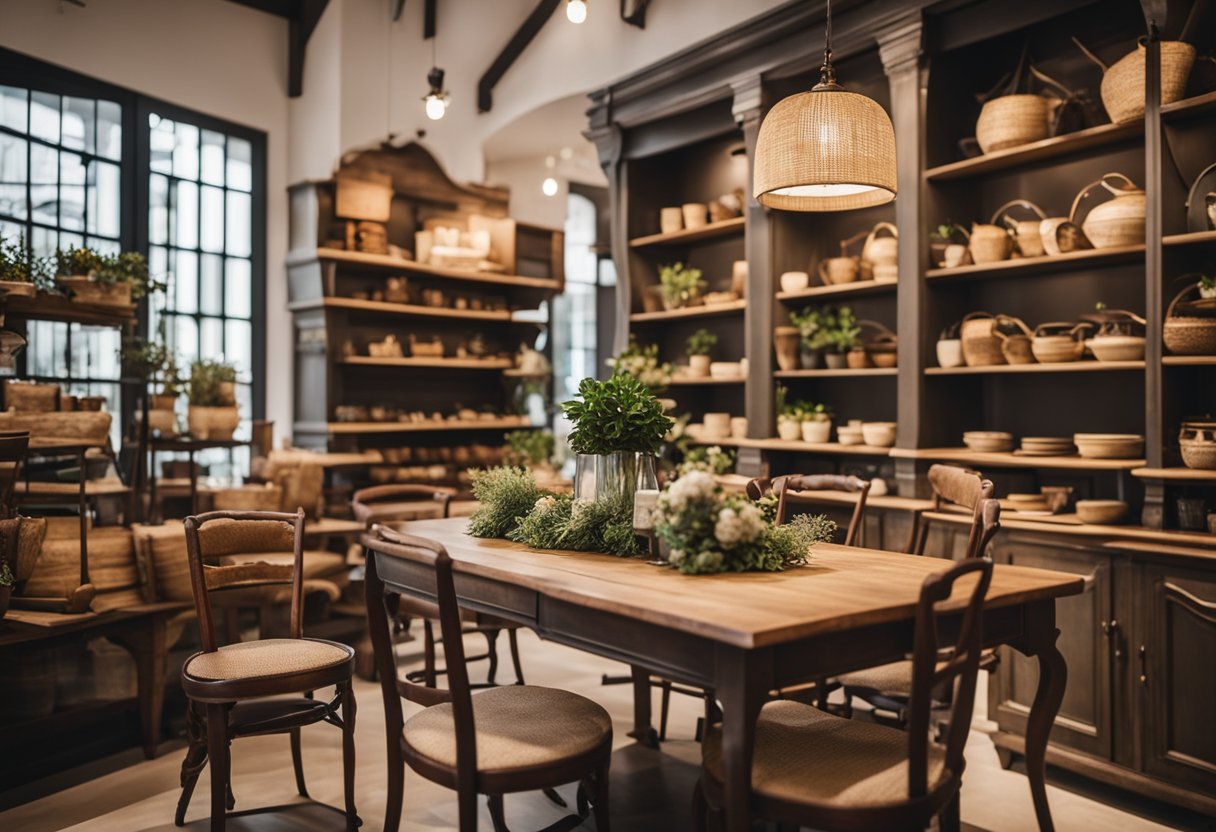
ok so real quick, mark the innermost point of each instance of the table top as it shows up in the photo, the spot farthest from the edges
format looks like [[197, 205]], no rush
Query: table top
[[186, 443], [841, 588]]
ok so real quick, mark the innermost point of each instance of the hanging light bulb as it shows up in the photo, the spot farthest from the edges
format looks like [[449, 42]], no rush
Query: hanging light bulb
[[825, 150], [576, 10], [549, 186], [437, 99]]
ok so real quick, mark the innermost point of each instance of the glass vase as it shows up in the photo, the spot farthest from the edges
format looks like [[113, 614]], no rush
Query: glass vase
[[599, 477]]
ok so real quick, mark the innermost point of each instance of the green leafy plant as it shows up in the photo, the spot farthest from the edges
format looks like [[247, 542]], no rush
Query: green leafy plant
[[1207, 282], [815, 412], [946, 231], [617, 414], [506, 494], [207, 380], [701, 342], [6, 575], [76, 262], [846, 334], [559, 522], [679, 284], [642, 363], [530, 447], [108, 270], [19, 265], [153, 362], [816, 324]]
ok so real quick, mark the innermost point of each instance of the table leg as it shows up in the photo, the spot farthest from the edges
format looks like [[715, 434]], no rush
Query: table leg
[[84, 522], [148, 644], [743, 683], [153, 511], [1053, 676], [643, 731]]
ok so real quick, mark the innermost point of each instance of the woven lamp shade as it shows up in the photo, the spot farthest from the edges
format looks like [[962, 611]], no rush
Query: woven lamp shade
[[825, 150]]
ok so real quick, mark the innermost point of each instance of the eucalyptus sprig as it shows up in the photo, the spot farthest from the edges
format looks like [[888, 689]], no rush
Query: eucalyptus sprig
[[617, 414]]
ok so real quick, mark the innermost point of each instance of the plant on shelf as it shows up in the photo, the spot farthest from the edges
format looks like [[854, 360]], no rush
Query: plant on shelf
[[942, 238], [813, 325], [156, 366], [642, 363], [816, 426], [111, 279], [681, 286], [530, 448], [618, 425], [707, 530], [713, 459], [843, 335], [212, 392], [21, 273], [699, 347], [789, 414], [1207, 286]]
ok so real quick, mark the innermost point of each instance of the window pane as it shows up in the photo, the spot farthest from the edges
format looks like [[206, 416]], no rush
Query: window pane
[[44, 241], [238, 229], [44, 116], [13, 172], [14, 105], [184, 229], [109, 130], [70, 240], [78, 124], [45, 355], [161, 144], [44, 174], [105, 246], [105, 205], [184, 337], [238, 288], [71, 191], [95, 352], [212, 286], [212, 230], [240, 164], [184, 296], [211, 337], [185, 152], [158, 209], [239, 343], [213, 158]]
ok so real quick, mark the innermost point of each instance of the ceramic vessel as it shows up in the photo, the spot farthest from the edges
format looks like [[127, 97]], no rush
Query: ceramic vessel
[[849, 435], [218, 423], [1109, 445], [789, 429], [671, 219], [1117, 347], [950, 352], [837, 270], [695, 215], [738, 427], [878, 434], [787, 341], [1117, 222], [954, 255], [835, 360], [725, 369], [698, 366], [794, 281], [717, 425], [1101, 512], [1197, 441], [988, 441], [817, 432]]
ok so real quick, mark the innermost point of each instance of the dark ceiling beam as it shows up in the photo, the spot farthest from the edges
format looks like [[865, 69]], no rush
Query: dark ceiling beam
[[278, 8], [633, 12], [300, 29], [398, 8], [514, 48], [428, 19]]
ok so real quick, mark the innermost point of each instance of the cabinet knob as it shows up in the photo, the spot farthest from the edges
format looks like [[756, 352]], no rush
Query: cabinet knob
[[1143, 669], [1110, 630]]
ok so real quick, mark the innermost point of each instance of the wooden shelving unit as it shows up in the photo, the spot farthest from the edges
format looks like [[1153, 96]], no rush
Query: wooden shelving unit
[[359, 428], [1198, 105], [47, 307], [866, 372], [712, 231], [1176, 474], [798, 446], [1191, 238], [1013, 459], [1024, 369], [689, 381], [408, 310], [703, 311], [841, 291], [1036, 152], [1072, 261], [432, 363], [396, 265]]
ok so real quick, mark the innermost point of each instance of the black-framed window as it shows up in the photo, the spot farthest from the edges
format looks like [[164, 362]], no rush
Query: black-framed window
[[83, 162]]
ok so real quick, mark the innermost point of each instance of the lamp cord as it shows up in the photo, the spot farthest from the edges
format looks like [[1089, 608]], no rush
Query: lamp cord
[[827, 74]]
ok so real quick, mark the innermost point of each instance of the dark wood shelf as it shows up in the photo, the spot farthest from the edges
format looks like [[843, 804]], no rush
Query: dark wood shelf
[[865, 372], [705, 381], [348, 428], [703, 311], [1176, 474], [404, 309], [861, 287], [1027, 154], [713, 231], [1012, 459], [1072, 261], [1189, 107], [397, 265], [433, 363], [1084, 366], [1192, 238], [47, 307], [1189, 360], [797, 446]]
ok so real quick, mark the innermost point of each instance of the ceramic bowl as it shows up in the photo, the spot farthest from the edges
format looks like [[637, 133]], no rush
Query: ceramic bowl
[[1109, 445], [950, 352], [849, 435], [1117, 347], [1101, 512], [878, 434], [717, 425], [725, 369], [988, 441], [794, 281], [1029, 502]]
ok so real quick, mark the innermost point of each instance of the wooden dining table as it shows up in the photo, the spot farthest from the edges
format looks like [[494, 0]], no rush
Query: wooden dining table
[[742, 635]]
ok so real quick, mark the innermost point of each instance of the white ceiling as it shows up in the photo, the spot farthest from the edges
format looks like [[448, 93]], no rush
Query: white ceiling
[[546, 131]]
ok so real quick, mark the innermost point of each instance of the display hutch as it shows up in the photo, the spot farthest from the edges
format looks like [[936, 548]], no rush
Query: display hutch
[[1135, 709], [446, 394]]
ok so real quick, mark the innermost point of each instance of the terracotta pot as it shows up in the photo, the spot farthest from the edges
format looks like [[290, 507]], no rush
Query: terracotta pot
[[857, 358], [212, 422], [671, 219], [817, 432], [698, 366], [787, 340], [162, 401], [695, 214], [163, 422]]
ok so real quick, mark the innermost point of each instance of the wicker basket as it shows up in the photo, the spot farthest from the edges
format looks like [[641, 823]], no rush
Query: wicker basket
[[1117, 222], [248, 498], [91, 428], [1123, 81], [1188, 334], [989, 243], [1012, 120], [981, 348], [31, 532], [1016, 347], [87, 290], [1025, 232], [31, 397], [112, 568]]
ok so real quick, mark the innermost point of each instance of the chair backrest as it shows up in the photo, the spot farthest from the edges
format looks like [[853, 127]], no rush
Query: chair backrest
[[785, 489], [964, 488], [13, 447], [364, 501], [226, 534], [935, 665], [431, 554]]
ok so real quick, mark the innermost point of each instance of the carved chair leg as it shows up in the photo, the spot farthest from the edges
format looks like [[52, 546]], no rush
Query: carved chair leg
[[193, 764], [297, 762], [664, 708], [948, 819], [428, 654], [601, 798], [348, 755], [494, 801], [492, 655], [514, 643], [218, 750], [700, 807]]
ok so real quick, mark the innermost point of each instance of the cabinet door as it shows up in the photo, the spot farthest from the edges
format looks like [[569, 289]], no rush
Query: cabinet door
[[1084, 721], [1175, 656]]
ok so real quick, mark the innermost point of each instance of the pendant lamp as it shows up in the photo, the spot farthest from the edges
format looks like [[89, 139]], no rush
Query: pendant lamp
[[825, 150]]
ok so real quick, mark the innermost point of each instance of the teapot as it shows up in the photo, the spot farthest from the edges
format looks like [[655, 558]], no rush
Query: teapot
[[1120, 220]]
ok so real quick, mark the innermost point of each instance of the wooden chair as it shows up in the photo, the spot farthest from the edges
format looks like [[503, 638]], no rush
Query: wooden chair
[[13, 447], [786, 490], [887, 688], [386, 504], [816, 769], [228, 686], [503, 740]]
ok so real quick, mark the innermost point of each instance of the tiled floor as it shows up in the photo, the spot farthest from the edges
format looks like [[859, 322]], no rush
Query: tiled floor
[[650, 790]]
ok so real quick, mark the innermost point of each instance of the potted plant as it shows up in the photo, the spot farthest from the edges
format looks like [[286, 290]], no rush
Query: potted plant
[[947, 245], [156, 366], [816, 424], [110, 280], [789, 415], [810, 323], [681, 286], [642, 363], [1207, 286], [700, 344], [617, 422], [843, 336], [20, 270], [212, 394]]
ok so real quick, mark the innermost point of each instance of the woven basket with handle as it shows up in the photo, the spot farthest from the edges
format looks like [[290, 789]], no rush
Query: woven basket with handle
[[1188, 334], [981, 348], [1123, 81]]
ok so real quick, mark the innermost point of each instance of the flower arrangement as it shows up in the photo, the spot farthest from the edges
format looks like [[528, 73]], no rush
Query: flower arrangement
[[642, 363], [713, 459], [210, 383], [680, 285], [709, 531], [614, 415], [506, 494]]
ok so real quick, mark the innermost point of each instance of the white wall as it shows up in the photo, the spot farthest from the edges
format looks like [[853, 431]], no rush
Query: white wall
[[212, 56]]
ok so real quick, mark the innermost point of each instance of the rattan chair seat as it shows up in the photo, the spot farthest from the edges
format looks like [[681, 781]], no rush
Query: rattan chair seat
[[517, 727], [807, 756], [267, 658]]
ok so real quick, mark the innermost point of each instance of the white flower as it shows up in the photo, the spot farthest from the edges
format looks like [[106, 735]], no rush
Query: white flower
[[728, 529], [708, 561], [545, 503], [676, 556]]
